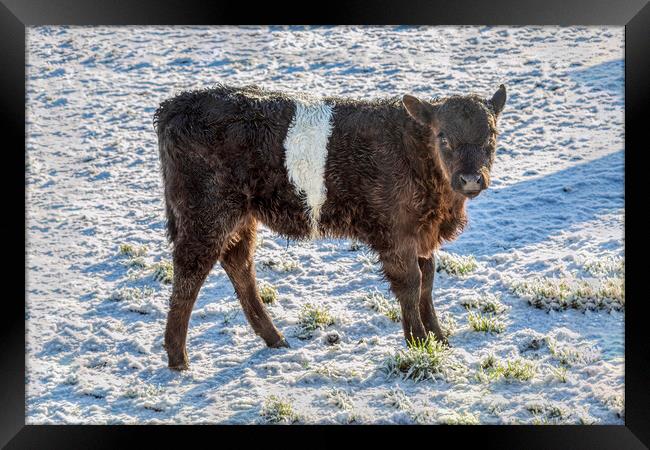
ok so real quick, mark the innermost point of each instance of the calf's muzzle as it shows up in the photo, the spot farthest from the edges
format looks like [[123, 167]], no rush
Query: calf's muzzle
[[469, 184]]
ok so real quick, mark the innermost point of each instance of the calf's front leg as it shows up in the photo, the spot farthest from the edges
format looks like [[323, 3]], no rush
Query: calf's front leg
[[403, 273], [427, 311]]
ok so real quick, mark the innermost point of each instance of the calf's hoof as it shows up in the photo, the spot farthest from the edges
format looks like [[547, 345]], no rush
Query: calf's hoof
[[178, 361], [280, 343], [179, 367]]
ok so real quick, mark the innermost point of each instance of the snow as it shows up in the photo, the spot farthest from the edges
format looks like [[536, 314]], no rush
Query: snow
[[95, 318]]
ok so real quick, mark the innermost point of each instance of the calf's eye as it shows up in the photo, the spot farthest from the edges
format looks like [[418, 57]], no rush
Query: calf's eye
[[443, 138]]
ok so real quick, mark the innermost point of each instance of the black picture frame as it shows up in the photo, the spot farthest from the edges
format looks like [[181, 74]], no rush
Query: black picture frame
[[15, 15]]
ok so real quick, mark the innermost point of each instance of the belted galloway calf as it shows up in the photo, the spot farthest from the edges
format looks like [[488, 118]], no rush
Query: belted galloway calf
[[392, 173]]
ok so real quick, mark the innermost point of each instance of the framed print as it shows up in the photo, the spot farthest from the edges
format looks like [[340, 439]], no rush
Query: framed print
[[405, 214]]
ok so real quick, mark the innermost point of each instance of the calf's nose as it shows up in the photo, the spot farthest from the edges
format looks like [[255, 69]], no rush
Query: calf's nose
[[470, 182]]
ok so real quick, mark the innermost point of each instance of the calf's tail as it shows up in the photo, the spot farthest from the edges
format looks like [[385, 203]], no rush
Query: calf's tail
[[166, 165]]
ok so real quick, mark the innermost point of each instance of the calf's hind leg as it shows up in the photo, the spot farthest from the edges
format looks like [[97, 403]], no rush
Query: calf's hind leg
[[193, 259], [237, 261]]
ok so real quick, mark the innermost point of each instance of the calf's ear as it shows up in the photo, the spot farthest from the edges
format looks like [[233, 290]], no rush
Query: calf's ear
[[420, 111], [499, 100]]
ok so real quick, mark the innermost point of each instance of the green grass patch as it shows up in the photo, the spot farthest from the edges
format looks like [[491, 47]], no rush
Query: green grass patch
[[491, 369], [561, 294], [487, 323], [548, 412], [464, 418], [163, 271], [144, 391], [268, 293], [137, 263], [454, 264], [612, 289], [138, 300], [397, 399], [135, 255], [572, 355], [281, 265], [276, 410], [425, 416], [489, 362], [485, 303], [423, 359], [560, 374], [330, 372], [311, 318], [616, 404], [448, 324], [379, 302], [128, 294], [609, 265], [339, 398], [132, 251]]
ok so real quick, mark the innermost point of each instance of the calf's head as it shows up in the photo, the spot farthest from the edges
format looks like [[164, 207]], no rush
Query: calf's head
[[463, 134]]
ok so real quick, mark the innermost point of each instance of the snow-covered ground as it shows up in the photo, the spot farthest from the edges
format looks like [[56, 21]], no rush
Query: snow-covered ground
[[95, 316]]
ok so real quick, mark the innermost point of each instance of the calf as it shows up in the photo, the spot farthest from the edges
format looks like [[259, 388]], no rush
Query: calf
[[392, 173]]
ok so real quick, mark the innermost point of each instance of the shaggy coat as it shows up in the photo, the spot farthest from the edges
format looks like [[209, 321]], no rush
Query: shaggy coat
[[392, 173]]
